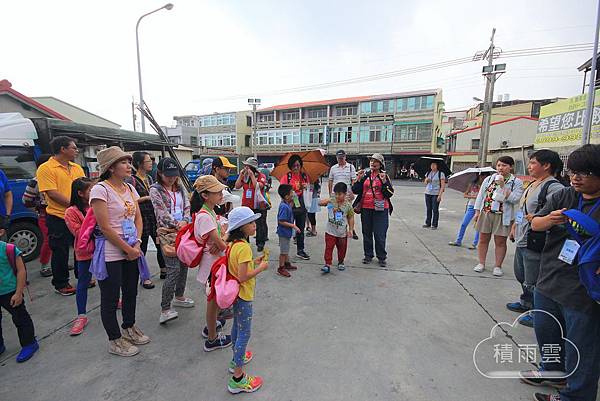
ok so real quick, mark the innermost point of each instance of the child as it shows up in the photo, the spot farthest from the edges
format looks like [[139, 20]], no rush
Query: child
[[285, 228], [241, 265], [74, 215], [11, 299], [340, 226]]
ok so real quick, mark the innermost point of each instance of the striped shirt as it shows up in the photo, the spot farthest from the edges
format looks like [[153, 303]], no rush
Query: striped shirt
[[345, 174]]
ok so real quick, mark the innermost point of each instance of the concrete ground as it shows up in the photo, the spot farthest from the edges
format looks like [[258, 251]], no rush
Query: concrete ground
[[405, 332]]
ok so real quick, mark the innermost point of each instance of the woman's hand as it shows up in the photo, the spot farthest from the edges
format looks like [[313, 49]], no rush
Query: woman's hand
[[134, 252], [383, 177], [360, 174], [439, 198]]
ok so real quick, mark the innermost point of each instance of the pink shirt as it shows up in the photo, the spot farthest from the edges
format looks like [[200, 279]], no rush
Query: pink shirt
[[367, 196], [203, 226], [73, 220], [117, 212]]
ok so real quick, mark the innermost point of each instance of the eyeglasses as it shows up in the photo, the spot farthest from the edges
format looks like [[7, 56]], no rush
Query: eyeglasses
[[582, 174]]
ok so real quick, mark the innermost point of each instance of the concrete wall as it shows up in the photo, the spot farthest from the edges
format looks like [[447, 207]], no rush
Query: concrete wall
[[10, 105]]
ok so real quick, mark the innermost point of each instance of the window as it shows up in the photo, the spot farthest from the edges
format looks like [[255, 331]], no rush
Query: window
[[17, 162], [216, 120], [278, 137], [247, 141], [193, 141], [265, 117], [412, 103], [346, 111], [219, 140], [475, 144], [248, 121], [316, 113], [365, 108], [291, 115], [413, 132]]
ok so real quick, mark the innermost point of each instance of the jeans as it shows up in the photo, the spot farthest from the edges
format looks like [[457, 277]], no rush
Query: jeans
[[241, 330], [122, 277], [159, 255], [469, 214], [174, 283], [341, 243], [583, 329], [374, 225], [45, 252], [527, 269], [300, 220], [20, 318], [83, 282], [262, 231], [432, 209], [60, 240]]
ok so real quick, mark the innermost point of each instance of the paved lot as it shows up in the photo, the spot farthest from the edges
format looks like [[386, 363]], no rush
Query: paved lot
[[406, 332]]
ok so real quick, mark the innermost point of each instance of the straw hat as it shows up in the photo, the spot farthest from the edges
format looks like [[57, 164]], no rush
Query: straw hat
[[109, 156]]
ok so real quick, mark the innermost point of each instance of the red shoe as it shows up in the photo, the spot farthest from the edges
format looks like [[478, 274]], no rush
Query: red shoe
[[283, 272], [120, 304], [79, 325], [289, 266], [66, 291]]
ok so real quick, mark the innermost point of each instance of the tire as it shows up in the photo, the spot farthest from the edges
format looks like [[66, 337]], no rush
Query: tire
[[26, 236]]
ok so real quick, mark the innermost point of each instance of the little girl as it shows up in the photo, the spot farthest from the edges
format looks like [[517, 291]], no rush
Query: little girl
[[241, 265], [74, 215]]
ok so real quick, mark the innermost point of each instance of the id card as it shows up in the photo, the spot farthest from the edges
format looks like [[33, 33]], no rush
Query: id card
[[178, 216], [128, 228], [519, 217], [339, 216], [248, 194], [569, 251]]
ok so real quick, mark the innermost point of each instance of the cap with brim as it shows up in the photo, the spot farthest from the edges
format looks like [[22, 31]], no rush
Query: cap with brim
[[252, 162], [241, 216], [222, 161], [340, 152], [208, 183], [378, 157], [168, 167], [109, 156]]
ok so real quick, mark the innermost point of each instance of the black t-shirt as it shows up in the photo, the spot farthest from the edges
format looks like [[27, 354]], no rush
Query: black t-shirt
[[558, 280]]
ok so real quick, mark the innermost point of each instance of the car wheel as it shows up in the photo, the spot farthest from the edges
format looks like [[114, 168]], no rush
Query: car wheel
[[27, 237]]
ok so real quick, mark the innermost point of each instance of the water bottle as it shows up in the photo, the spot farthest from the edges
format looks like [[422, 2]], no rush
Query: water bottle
[[296, 201]]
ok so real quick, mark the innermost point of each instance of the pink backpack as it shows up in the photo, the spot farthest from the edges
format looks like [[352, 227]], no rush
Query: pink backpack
[[189, 250], [224, 287]]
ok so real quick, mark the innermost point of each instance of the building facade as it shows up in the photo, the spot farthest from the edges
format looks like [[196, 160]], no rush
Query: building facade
[[401, 126]]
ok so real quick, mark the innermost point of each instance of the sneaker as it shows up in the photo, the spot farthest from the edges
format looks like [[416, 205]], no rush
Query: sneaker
[[425, 226], [247, 358], [546, 397], [454, 243], [526, 320], [167, 315], [222, 341], [289, 266], [382, 262], [341, 267], [282, 271], [473, 246], [248, 384], [516, 307], [303, 255], [354, 235], [535, 378], [28, 351], [220, 324], [366, 260], [92, 283], [135, 336], [78, 326], [46, 271], [185, 303], [122, 347], [479, 268], [498, 272], [434, 227], [325, 269], [66, 291], [225, 314]]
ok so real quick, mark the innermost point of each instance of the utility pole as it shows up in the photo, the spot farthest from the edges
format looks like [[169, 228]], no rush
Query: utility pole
[[491, 73], [254, 103], [133, 113], [586, 132]]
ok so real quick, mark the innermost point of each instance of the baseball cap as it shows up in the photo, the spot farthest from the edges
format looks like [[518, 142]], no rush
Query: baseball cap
[[340, 152], [222, 161], [168, 167]]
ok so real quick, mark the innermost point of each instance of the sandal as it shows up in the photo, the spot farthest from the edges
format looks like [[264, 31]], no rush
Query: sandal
[[92, 283], [148, 285]]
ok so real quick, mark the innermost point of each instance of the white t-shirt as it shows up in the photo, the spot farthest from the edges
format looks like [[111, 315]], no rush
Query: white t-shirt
[[344, 174], [176, 205], [203, 225]]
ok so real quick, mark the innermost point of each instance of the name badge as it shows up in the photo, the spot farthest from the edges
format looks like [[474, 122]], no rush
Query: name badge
[[519, 217], [339, 216], [128, 228], [569, 251], [178, 216], [248, 194]]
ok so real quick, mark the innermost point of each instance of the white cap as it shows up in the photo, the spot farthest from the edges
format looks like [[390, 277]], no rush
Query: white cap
[[241, 216]]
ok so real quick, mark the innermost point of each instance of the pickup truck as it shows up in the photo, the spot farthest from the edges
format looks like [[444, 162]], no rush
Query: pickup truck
[[193, 170]]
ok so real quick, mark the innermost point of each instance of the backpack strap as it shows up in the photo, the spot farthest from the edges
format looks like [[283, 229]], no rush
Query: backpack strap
[[588, 223], [541, 201], [11, 254]]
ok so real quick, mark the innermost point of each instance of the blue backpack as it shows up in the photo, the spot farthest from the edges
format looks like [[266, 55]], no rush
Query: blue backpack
[[588, 256]]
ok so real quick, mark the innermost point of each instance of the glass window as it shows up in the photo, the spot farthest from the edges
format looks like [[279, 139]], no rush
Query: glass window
[[430, 102], [17, 162], [475, 144], [291, 115], [412, 103], [402, 104], [346, 111], [318, 113], [378, 106], [364, 133], [365, 107]]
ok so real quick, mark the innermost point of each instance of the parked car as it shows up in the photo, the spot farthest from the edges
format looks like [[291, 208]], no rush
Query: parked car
[[266, 166], [193, 167]]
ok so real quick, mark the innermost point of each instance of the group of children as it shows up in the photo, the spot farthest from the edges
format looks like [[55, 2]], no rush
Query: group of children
[[340, 226]]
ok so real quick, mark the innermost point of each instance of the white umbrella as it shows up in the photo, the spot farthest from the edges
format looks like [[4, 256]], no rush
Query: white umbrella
[[460, 181]]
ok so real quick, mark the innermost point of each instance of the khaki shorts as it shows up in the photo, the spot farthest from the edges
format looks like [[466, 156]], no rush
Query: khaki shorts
[[491, 223]]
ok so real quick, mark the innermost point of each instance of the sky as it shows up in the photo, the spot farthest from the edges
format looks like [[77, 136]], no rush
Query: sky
[[206, 56]]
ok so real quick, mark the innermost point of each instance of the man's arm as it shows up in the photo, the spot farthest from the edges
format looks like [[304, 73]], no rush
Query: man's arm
[[8, 202], [58, 197]]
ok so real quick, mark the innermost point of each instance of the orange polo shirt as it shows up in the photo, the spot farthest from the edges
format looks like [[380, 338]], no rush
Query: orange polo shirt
[[54, 176]]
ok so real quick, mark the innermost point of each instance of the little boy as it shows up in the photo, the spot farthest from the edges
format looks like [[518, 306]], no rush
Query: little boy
[[11, 298], [285, 228], [340, 226]]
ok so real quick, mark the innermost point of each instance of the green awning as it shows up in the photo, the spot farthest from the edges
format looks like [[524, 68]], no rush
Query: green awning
[[413, 122]]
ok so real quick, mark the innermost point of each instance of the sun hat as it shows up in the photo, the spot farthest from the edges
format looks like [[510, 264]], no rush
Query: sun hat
[[378, 157], [109, 156], [168, 167], [222, 161], [241, 216], [252, 162], [208, 183]]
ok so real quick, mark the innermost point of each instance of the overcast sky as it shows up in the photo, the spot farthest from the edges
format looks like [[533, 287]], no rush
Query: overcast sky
[[203, 51]]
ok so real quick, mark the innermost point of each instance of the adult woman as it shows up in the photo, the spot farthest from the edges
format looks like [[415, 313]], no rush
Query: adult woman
[[436, 183], [470, 194], [495, 212], [172, 209], [299, 181], [374, 190], [118, 241], [141, 180]]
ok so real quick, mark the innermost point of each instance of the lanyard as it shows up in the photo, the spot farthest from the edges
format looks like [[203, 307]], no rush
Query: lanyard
[[127, 204], [173, 199], [214, 216], [144, 182]]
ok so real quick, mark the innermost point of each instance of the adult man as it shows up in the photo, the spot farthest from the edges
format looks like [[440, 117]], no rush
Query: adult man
[[543, 167], [559, 291], [251, 180], [221, 168], [54, 179], [343, 172]]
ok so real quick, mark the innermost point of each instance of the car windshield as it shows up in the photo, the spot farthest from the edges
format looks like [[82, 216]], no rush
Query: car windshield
[[17, 162]]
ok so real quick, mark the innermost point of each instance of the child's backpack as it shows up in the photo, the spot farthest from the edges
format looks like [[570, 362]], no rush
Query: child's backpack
[[223, 286], [189, 250], [588, 256]]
